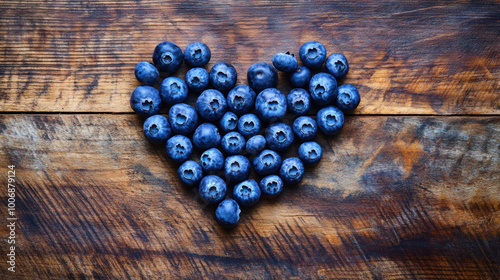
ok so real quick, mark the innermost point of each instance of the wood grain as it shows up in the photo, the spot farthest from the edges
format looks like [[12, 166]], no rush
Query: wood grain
[[393, 198], [416, 57]]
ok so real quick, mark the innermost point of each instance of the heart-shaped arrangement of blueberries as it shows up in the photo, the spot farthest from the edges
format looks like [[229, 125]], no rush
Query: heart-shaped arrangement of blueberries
[[225, 123]]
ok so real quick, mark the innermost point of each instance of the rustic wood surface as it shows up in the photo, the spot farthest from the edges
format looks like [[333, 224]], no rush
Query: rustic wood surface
[[408, 190]]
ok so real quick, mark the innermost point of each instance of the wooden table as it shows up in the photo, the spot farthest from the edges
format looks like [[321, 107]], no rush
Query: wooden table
[[408, 190]]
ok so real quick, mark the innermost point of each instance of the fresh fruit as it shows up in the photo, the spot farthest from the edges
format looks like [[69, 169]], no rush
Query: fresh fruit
[[310, 153], [247, 193], [232, 143], [249, 125], [323, 89], [183, 119], [173, 90], [212, 161], [271, 186], [348, 98], [305, 128], [267, 162], [190, 173], [212, 189], [211, 105], [179, 148], [227, 213], [300, 77], [197, 79], [197, 54], [146, 73], [298, 101], [167, 57], [279, 136], [145, 101], [337, 65], [292, 170], [223, 76], [228, 122], [285, 62], [270, 105], [156, 129], [206, 136], [330, 120], [255, 144], [262, 75], [312, 54], [236, 168], [241, 99]]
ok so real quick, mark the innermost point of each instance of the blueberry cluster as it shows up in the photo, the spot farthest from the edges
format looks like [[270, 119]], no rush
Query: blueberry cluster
[[235, 128]]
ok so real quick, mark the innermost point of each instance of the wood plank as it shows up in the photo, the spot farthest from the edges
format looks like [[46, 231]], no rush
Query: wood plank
[[417, 57], [393, 198]]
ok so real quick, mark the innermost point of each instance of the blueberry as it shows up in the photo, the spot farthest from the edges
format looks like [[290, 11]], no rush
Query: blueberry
[[337, 65], [173, 90], [232, 143], [298, 101], [267, 162], [270, 105], [241, 99], [279, 136], [312, 54], [249, 125], [212, 161], [197, 79], [300, 78], [223, 76], [330, 120], [247, 193], [183, 119], [271, 186], [179, 148], [167, 57], [228, 122], [206, 136], [236, 168], [146, 73], [255, 144], [212, 189], [145, 101], [292, 170], [197, 54], [156, 129], [348, 98], [190, 173], [285, 62], [262, 75], [323, 89], [305, 128], [211, 105], [227, 213], [310, 152]]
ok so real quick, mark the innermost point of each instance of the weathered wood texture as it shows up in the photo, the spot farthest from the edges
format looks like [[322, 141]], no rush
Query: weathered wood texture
[[420, 57], [393, 198]]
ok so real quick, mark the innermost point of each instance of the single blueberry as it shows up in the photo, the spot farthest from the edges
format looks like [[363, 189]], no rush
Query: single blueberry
[[255, 144], [223, 76], [211, 105], [305, 128], [323, 89], [247, 193], [236, 168], [212, 189], [232, 143], [197, 54], [183, 119], [312, 54], [348, 98], [279, 136], [167, 57], [270, 105], [262, 75], [292, 170], [227, 213], [156, 129], [212, 161], [310, 153], [330, 120], [146, 73], [300, 78], [197, 79], [145, 101], [271, 186], [285, 62], [228, 122], [241, 99], [249, 125], [173, 90], [267, 162], [298, 101], [179, 148], [190, 173], [206, 136], [337, 65]]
